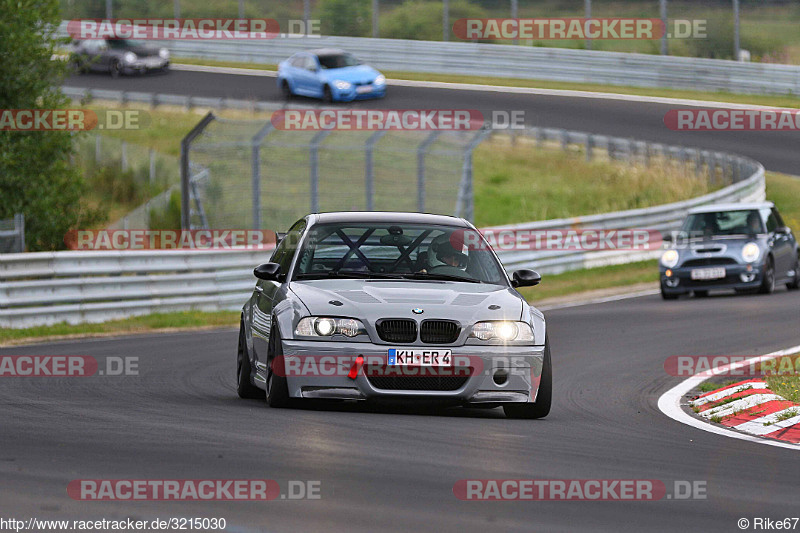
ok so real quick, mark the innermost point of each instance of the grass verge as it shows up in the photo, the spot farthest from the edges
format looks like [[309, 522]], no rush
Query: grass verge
[[158, 322], [786, 385]]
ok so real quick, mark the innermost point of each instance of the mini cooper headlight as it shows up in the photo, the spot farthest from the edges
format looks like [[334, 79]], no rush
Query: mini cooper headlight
[[670, 258], [380, 80], [342, 85], [320, 326], [163, 53], [129, 57], [504, 330], [750, 252]]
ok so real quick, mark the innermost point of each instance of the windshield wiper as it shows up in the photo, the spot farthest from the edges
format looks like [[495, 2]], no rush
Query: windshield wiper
[[344, 275], [442, 277]]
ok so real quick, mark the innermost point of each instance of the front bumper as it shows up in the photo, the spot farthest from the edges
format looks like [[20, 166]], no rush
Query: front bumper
[[348, 95], [736, 277], [500, 374], [145, 64]]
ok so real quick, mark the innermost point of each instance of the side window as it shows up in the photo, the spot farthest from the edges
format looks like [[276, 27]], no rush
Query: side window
[[284, 253], [778, 218], [298, 62], [772, 221], [310, 64]]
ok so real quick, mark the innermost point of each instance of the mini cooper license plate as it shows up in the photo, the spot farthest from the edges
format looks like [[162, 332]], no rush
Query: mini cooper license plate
[[361, 89], [708, 273], [404, 357]]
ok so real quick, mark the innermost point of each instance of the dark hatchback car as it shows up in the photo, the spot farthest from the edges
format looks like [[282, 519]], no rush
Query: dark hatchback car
[[744, 247], [118, 56]]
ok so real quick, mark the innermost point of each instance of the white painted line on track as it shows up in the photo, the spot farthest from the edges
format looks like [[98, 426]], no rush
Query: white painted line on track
[[670, 402], [602, 300]]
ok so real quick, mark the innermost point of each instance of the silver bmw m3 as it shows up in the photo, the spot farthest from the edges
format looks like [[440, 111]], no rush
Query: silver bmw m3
[[371, 306]]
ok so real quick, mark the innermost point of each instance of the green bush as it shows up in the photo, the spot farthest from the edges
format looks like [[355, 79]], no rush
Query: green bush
[[168, 217], [718, 43], [345, 17], [422, 20]]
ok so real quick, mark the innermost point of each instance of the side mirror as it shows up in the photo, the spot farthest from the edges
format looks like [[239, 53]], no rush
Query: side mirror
[[267, 271], [783, 230], [525, 278], [667, 237]]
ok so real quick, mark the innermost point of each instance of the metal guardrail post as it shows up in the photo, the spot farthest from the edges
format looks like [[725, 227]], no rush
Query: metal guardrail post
[[564, 140], [97, 148], [589, 145], [313, 155], [422, 149], [369, 170], [124, 155], [256, 172], [465, 191], [19, 225], [152, 169], [186, 144]]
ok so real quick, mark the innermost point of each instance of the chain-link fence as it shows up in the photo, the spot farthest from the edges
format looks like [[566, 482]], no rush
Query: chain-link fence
[[247, 174], [127, 170]]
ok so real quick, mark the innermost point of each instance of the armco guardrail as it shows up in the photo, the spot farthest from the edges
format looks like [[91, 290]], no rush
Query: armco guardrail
[[509, 61], [51, 287], [76, 287]]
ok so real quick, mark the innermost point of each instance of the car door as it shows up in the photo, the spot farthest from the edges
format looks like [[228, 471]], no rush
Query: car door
[[266, 291], [782, 243], [311, 82]]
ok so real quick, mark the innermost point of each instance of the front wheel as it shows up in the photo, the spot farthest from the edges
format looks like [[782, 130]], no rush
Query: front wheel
[[795, 283], [541, 407], [244, 384], [286, 91], [277, 387], [115, 69], [327, 96], [768, 283]]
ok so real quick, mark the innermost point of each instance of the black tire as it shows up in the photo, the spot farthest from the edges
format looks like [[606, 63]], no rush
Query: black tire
[[244, 382], [700, 294], [277, 387], [541, 407], [667, 296], [327, 96], [768, 283], [286, 90], [115, 68], [795, 283]]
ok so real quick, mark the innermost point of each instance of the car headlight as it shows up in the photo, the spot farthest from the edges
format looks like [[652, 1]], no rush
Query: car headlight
[[504, 330], [670, 258], [320, 326], [750, 252], [380, 80], [129, 57], [342, 85], [163, 53]]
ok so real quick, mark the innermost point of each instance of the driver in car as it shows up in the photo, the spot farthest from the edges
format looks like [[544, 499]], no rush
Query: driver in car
[[454, 262]]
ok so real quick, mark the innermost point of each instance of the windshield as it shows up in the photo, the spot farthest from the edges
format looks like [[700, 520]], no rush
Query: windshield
[[121, 44], [744, 222], [338, 61], [398, 251]]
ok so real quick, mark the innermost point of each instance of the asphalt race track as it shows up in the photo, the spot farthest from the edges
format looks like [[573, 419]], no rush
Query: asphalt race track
[[385, 469], [644, 121], [393, 469]]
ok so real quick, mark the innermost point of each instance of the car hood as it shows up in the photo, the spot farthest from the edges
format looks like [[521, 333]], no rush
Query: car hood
[[356, 74], [143, 50], [371, 300]]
